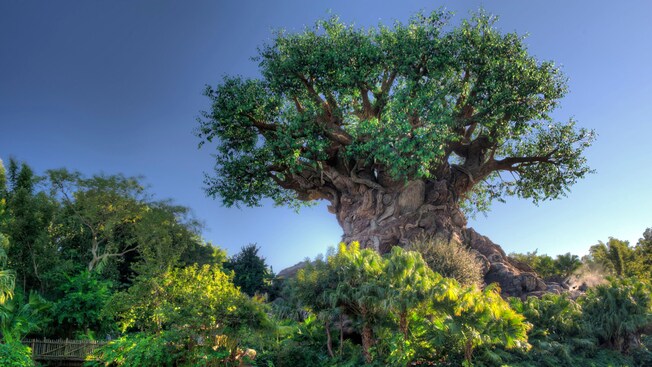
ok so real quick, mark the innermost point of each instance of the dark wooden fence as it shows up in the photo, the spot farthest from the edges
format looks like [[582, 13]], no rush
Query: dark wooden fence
[[62, 350]]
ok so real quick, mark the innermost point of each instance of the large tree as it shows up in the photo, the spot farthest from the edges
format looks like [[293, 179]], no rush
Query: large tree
[[397, 127]]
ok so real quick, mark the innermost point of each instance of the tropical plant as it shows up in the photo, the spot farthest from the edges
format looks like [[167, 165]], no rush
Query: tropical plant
[[360, 291], [558, 336], [313, 287], [15, 354], [7, 277], [477, 319], [618, 313], [614, 255], [79, 310], [20, 316], [567, 264]]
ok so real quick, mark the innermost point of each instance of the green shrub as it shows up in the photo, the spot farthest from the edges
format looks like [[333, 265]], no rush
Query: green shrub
[[15, 354], [169, 349], [136, 350], [451, 260], [79, 311], [618, 312]]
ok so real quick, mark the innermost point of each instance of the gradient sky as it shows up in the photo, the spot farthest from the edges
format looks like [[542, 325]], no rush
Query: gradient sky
[[116, 86]]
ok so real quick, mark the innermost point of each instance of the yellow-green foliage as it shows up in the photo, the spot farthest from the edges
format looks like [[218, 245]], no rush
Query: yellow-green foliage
[[15, 354], [407, 312], [200, 299]]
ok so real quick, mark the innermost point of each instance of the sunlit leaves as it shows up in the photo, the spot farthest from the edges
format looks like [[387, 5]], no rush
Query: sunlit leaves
[[397, 98], [200, 299], [428, 311]]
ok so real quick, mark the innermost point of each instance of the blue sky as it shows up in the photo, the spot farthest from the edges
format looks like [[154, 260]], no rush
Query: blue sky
[[115, 87]]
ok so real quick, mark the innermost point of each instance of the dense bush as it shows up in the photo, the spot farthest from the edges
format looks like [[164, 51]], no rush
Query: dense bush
[[451, 260], [79, 310], [402, 310], [190, 316], [14, 354], [619, 312], [170, 349]]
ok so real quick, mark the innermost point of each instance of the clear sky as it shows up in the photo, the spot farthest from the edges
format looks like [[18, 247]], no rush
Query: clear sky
[[116, 86]]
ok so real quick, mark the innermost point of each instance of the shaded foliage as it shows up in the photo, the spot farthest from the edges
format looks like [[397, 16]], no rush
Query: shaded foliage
[[251, 273]]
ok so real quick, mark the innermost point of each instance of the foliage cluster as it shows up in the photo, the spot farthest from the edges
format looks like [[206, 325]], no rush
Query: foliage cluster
[[451, 260], [403, 310], [14, 354], [251, 273]]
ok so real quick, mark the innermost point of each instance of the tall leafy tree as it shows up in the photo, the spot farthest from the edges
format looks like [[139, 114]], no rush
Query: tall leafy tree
[[29, 215], [7, 276], [106, 208], [642, 266], [615, 255], [394, 126]]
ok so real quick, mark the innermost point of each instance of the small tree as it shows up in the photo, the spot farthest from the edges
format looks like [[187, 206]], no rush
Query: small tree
[[361, 289], [251, 273], [80, 307], [567, 264]]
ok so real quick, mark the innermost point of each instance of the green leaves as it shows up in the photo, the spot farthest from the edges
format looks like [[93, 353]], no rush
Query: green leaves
[[251, 273], [408, 101], [200, 299], [618, 312], [80, 308], [399, 292]]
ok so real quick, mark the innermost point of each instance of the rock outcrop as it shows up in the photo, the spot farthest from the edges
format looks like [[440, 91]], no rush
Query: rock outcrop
[[515, 279]]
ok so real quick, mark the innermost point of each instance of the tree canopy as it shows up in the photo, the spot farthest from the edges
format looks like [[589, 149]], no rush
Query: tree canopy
[[337, 106]]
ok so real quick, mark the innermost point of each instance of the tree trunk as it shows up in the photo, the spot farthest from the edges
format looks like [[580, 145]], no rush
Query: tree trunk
[[380, 218], [468, 352], [329, 339], [403, 325], [341, 319], [367, 342]]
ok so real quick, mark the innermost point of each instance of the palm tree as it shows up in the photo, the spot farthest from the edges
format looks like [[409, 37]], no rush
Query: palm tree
[[619, 312], [18, 318], [479, 318], [360, 291], [410, 280]]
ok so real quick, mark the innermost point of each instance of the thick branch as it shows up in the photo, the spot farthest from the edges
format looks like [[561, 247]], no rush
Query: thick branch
[[508, 164], [263, 126]]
